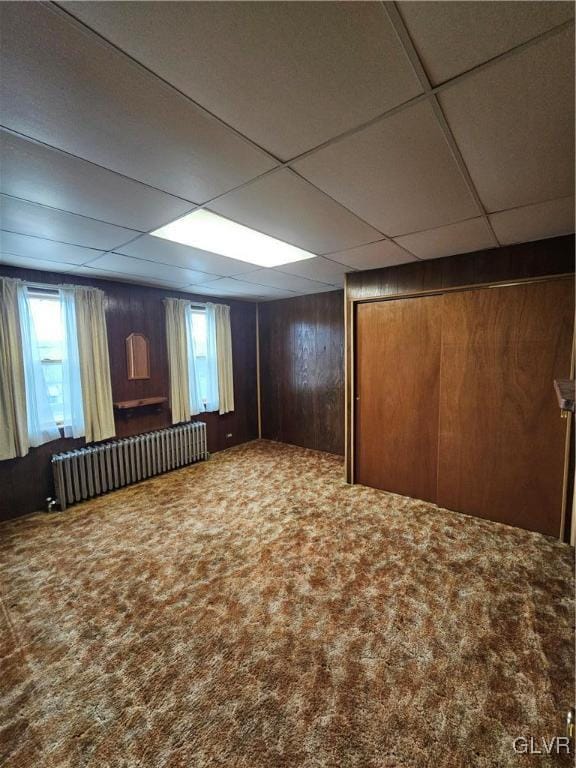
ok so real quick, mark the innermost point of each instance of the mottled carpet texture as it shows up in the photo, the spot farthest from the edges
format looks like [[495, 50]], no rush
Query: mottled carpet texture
[[255, 611]]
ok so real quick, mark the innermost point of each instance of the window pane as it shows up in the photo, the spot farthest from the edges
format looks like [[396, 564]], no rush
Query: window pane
[[199, 342], [199, 332], [47, 319], [53, 378]]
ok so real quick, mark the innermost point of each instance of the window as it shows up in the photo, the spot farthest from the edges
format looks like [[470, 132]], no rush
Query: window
[[46, 311], [200, 353], [50, 356], [202, 362]]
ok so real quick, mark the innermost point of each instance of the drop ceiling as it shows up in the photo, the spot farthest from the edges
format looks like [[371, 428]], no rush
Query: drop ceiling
[[370, 134]]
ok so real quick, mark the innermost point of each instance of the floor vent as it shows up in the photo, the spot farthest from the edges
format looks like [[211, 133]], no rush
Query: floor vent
[[88, 472]]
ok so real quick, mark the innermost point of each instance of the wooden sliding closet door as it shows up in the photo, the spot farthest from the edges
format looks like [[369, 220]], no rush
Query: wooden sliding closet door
[[397, 395], [501, 438]]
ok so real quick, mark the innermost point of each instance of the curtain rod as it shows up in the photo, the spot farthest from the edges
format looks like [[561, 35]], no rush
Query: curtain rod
[[55, 287]]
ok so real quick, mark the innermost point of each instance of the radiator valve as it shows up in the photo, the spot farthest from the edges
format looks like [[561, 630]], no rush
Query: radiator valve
[[51, 504]]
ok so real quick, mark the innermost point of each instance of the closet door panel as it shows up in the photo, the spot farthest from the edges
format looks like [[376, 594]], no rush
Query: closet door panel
[[397, 391], [501, 438]]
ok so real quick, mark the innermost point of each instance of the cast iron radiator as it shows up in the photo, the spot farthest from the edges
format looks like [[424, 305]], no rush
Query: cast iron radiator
[[92, 471]]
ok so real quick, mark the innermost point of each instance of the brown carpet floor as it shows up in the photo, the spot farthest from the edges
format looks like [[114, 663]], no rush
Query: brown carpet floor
[[254, 611]]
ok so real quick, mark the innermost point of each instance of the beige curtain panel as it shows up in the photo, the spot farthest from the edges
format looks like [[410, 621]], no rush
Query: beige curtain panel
[[224, 358], [177, 343], [94, 364], [13, 421]]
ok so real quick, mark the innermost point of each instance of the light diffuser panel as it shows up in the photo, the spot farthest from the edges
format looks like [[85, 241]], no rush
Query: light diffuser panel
[[210, 232]]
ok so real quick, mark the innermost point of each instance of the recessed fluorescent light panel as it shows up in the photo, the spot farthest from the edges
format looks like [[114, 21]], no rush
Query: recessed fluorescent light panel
[[210, 232]]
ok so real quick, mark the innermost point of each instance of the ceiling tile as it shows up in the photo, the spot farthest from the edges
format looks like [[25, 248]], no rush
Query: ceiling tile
[[77, 93], [384, 253], [26, 262], [287, 207], [337, 285], [228, 286], [284, 281], [37, 220], [209, 292], [129, 265], [167, 252], [453, 37], [534, 222], [38, 248], [464, 237], [398, 174], [212, 289], [121, 277], [23, 262], [320, 269], [299, 66], [38, 173], [208, 289], [514, 124]]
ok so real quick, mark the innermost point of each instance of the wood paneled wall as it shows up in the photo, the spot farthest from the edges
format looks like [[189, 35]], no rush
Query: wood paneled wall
[[302, 371], [554, 256], [27, 481], [303, 398], [514, 262]]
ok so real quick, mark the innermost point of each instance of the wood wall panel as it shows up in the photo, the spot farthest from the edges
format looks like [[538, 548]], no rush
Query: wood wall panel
[[397, 395], [515, 262], [553, 256], [502, 441], [27, 481], [302, 371]]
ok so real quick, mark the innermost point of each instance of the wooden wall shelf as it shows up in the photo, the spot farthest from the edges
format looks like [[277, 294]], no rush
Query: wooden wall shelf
[[130, 405]]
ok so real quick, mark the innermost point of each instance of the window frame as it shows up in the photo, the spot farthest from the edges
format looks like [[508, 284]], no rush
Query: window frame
[[209, 402], [199, 309], [37, 291]]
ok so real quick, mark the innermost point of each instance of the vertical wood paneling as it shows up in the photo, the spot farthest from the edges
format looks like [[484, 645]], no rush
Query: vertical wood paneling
[[553, 256], [502, 441], [27, 481], [302, 371], [397, 394]]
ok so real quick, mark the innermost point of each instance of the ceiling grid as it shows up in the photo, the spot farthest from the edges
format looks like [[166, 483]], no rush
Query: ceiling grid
[[360, 231], [412, 54]]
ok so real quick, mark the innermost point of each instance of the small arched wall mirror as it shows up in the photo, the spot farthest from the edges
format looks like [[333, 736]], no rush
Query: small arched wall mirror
[[138, 356]]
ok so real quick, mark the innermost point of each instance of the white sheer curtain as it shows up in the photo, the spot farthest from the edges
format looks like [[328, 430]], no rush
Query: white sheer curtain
[[223, 345], [41, 423], [212, 385], [194, 377], [71, 380], [202, 363], [13, 422]]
